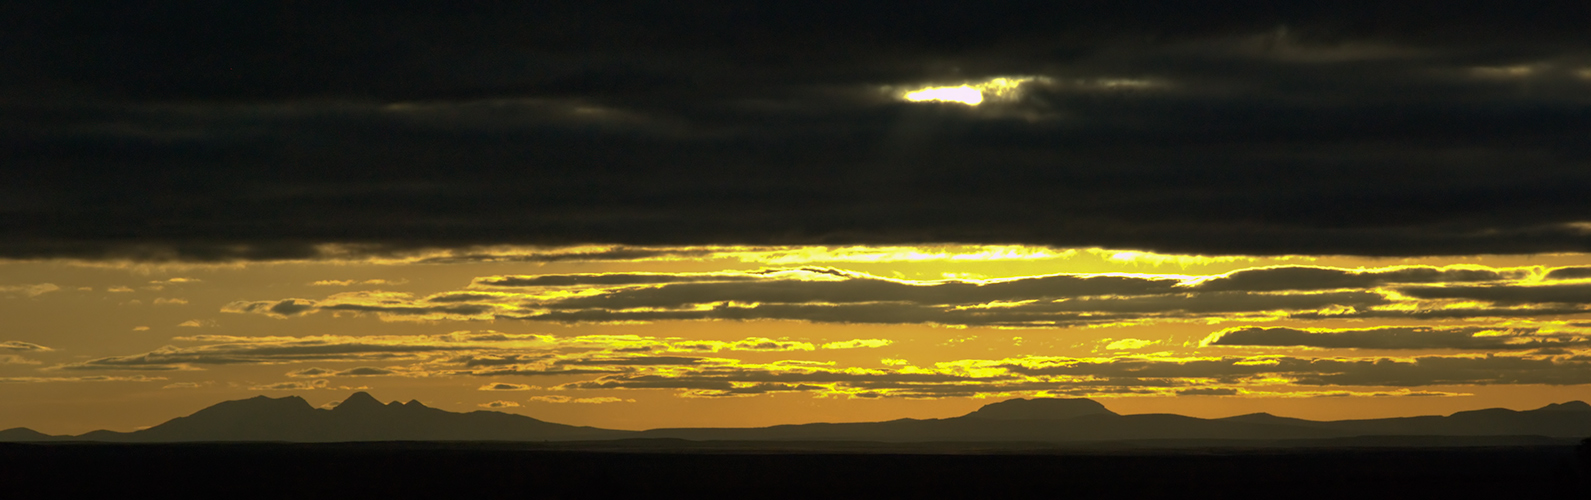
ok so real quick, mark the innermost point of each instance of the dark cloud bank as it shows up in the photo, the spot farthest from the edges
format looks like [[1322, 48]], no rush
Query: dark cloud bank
[[255, 130]]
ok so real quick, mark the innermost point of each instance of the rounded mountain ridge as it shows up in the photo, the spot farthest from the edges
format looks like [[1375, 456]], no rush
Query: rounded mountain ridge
[[1040, 409]]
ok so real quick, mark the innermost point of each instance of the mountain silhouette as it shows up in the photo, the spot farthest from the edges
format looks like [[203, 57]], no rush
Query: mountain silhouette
[[1082, 420], [359, 418], [23, 434], [1040, 409], [362, 417]]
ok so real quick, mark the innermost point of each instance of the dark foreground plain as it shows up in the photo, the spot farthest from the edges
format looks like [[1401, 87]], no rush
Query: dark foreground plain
[[571, 470]]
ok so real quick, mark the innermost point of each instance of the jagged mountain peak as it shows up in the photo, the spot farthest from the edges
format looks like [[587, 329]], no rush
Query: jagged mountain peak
[[360, 417], [1040, 409], [358, 401]]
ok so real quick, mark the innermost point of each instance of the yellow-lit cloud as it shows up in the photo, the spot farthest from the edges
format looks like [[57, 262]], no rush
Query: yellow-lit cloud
[[28, 290], [971, 94]]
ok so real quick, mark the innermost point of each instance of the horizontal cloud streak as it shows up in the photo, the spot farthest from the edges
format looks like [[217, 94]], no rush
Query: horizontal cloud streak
[[1320, 278], [831, 295], [1550, 294], [1470, 338], [17, 345]]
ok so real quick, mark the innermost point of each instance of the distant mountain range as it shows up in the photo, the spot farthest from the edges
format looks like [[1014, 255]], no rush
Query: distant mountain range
[[362, 418], [359, 418]]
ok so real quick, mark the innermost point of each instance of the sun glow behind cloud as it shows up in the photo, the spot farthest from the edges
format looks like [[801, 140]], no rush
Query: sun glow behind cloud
[[971, 94], [963, 94]]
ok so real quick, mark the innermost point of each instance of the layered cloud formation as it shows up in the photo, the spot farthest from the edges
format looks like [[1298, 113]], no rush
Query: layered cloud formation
[[1234, 128], [828, 295], [1471, 325]]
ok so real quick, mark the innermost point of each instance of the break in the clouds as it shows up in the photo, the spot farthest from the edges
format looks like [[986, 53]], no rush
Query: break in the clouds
[[1366, 128], [826, 295]]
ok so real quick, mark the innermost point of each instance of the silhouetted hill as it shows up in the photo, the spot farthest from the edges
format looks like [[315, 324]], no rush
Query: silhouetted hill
[[1040, 409], [1081, 420], [363, 418], [22, 434], [359, 418], [1105, 426]]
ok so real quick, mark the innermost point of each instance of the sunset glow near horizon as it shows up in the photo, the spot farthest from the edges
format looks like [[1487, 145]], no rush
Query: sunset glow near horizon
[[643, 216], [648, 337]]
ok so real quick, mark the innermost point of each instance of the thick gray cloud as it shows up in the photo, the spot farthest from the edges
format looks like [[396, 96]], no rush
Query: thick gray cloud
[[1213, 391], [1438, 314], [461, 297], [262, 352], [252, 130], [862, 289], [1186, 376], [1556, 294], [1395, 337], [297, 307], [1318, 278], [1440, 370], [1420, 371], [536, 372], [365, 371], [633, 361], [732, 382], [608, 279], [1569, 273], [500, 386], [310, 372], [1062, 313], [462, 310], [1211, 303]]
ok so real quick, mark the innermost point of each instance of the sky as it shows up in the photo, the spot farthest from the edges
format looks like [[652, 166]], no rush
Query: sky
[[725, 214]]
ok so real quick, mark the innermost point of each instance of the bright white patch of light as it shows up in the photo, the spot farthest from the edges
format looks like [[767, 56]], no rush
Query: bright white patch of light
[[963, 94], [971, 94]]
